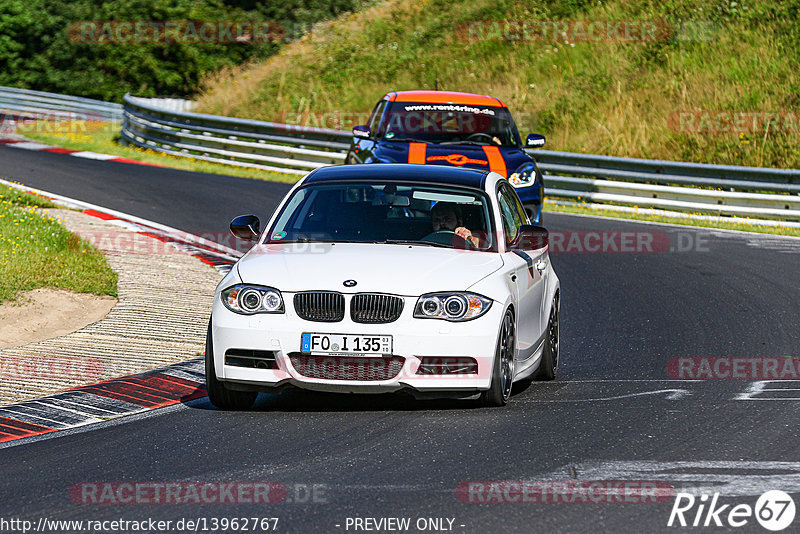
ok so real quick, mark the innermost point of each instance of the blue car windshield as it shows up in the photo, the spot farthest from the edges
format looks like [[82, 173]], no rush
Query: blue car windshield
[[449, 124], [387, 212]]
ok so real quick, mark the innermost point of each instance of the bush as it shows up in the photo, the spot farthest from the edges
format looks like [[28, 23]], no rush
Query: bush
[[37, 51]]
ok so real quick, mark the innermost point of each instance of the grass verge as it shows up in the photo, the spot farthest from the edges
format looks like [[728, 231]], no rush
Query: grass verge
[[735, 223], [102, 137], [36, 251]]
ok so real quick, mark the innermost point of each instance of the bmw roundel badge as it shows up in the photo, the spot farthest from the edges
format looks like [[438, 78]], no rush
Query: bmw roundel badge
[[350, 283]]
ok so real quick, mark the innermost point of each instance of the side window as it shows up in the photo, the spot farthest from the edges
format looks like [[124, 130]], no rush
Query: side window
[[510, 214], [375, 118]]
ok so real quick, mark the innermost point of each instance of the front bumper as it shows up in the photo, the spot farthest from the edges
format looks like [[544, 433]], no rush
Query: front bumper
[[412, 339]]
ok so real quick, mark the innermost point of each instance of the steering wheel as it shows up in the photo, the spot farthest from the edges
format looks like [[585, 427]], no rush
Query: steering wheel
[[481, 134], [445, 237]]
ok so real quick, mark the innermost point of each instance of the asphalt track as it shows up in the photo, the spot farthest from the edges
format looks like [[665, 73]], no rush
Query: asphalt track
[[614, 413]]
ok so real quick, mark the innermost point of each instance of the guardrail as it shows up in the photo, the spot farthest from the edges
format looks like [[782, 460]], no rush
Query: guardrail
[[676, 172], [709, 189], [241, 142], [696, 187], [28, 104]]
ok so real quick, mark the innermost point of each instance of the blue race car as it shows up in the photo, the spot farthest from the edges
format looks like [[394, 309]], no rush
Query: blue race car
[[450, 128]]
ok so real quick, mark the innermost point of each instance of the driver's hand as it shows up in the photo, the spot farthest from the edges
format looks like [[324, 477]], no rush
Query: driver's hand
[[466, 235]]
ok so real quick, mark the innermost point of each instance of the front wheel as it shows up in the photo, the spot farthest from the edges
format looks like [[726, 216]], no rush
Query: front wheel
[[218, 394], [503, 369]]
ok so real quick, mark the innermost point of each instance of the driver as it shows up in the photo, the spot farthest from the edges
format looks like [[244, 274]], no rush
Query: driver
[[447, 216]]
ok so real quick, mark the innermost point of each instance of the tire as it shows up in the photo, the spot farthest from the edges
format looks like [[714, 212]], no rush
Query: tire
[[552, 344], [218, 394], [503, 370]]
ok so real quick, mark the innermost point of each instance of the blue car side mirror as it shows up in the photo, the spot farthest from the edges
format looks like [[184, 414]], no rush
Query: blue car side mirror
[[535, 140], [361, 131]]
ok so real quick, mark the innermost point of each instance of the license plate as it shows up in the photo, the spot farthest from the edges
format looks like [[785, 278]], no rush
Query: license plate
[[345, 344]]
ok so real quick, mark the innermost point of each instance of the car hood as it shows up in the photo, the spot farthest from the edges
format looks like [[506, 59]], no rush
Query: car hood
[[398, 269], [502, 160]]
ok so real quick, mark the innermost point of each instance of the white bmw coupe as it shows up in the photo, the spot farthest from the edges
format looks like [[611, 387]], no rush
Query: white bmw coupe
[[382, 278]]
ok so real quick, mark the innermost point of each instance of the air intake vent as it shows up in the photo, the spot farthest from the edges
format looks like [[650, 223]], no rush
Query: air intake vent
[[454, 365], [346, 368], [375, 308], [258, 359], [320, 306]]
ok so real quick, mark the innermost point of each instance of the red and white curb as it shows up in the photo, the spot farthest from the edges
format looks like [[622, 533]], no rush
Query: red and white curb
[[218, 256], [40, 147], [95, 403], [85, 405]]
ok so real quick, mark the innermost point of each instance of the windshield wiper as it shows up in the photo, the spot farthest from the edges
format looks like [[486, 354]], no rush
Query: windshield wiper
[[310, 240], [479, 143], [426, 141], [403, 140], [411, 242]]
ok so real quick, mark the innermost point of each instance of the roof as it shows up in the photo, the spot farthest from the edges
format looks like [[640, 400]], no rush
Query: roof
[[403, 172], [445, 97]]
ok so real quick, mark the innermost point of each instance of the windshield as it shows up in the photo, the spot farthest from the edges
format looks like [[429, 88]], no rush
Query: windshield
[[449, 123], [386, 213]]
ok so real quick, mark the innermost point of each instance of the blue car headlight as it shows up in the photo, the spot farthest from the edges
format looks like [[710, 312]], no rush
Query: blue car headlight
[[456, 306], [249, 299], [525, 176]]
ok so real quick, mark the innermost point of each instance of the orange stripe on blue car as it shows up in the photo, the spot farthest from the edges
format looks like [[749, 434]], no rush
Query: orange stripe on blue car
[[416, 153], [496, 162]]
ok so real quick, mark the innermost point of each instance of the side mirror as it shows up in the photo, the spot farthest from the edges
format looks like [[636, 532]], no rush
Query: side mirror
[[531, 237], [246, 227], [361, 130], [535, 140]]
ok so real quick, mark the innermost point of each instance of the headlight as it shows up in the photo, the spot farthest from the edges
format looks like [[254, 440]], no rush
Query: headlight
[[525, 176], [451, 306], [247, 299]]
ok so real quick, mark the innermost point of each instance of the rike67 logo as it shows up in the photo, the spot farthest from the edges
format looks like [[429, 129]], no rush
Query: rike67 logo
[[774, 510]]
